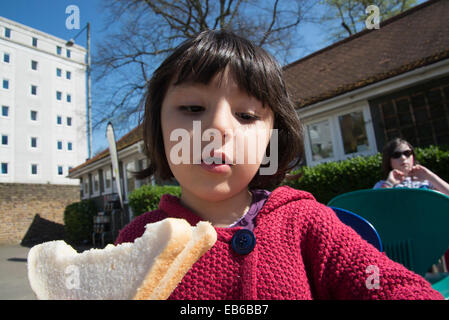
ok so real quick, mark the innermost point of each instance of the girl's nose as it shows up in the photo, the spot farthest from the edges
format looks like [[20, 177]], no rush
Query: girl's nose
[[221, 118]]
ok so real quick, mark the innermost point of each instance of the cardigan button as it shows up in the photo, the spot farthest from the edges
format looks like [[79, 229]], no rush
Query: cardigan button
[[243, 241]]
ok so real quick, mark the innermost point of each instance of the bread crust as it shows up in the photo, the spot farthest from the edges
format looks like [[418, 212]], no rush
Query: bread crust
[[202, 241], [182, 233]]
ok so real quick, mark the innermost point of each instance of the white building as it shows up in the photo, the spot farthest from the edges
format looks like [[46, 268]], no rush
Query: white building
[[42, 106], [357, 94]]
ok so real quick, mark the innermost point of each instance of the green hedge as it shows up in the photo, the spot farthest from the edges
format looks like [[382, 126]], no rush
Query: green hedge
[[324, 181], [78, 221], [328, 180], [147, 197]]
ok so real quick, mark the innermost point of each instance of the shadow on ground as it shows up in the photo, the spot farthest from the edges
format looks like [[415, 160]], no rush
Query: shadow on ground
[[42, 230]]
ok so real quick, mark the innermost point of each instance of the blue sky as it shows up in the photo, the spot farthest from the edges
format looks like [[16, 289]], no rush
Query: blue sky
[[50, 16]]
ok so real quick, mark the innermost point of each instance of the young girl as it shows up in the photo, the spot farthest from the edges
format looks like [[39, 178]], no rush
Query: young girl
[[401, 171], [271, 245]]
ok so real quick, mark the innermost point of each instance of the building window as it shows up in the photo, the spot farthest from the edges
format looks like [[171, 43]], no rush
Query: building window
[[320, 140], [58, 72], [69, 121], [7, 33], [340, 136], [129, 176], [5, 84], [58, 50], [96, 183], [59, 145], [33, 65], [81, 188], [58, 95], [353, 132], [33, 115], [417, 114], [107, 179], [4, 140], [6, 57], [69, 146], [5, 111], [60, 171], [58, 120], [34, 42], [69, 98], [141, 165], [86, 187], [4, 168], [34, 169], [68, 53], [33, 142], [34, 90], [68, 75]]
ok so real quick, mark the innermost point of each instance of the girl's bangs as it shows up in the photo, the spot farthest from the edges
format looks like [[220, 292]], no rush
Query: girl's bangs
[[202, 62]]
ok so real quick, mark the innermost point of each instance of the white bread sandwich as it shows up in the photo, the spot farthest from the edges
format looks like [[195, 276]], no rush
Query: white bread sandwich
[[149, 268]]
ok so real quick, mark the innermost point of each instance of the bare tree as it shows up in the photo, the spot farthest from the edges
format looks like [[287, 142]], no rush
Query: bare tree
[[351, 15], [143, 32]]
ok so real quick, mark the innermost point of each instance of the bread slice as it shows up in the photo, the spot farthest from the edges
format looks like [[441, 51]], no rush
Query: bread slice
[[126, 271], [203, 238]]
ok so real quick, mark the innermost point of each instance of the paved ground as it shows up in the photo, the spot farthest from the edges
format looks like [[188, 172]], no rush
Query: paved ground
[[14, 283]]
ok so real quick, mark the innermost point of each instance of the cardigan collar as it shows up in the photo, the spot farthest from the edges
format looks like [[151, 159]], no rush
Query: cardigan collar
[[172, 206]]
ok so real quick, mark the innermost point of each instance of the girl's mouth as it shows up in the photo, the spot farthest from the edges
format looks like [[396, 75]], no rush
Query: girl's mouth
[[219, 163], [216, 168]]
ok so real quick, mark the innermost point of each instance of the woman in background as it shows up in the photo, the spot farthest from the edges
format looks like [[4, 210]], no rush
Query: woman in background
[[401, 171]]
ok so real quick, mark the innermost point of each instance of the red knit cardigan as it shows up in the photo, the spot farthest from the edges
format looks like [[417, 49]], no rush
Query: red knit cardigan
[[303, 251]]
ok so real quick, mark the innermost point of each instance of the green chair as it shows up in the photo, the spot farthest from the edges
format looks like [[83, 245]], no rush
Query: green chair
[[413, 224]]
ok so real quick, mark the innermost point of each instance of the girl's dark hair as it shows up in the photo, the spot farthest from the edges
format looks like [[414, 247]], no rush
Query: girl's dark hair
[[255, 71], [388, 151]]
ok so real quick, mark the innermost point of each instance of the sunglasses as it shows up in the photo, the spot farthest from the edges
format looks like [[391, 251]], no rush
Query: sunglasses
[[398, 154]]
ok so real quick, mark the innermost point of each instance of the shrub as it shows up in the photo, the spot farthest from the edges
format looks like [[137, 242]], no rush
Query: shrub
[[78, 221], [147, 197], [435, 159], [327, 180], [324, 181]]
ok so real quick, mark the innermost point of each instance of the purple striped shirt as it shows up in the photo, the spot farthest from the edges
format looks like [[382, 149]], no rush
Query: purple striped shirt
[[247, 221]]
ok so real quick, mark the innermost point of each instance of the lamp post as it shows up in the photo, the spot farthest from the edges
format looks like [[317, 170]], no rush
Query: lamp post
[[70, 43]]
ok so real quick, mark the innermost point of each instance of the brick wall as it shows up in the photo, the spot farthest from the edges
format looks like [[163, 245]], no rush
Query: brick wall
[[33, 213]]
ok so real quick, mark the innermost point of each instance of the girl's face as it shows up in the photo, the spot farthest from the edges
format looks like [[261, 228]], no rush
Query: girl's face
[[219, 134], [402, 158]]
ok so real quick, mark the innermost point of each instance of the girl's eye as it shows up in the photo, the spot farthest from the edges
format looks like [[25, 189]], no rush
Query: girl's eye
[[247, 116], [191, 109]]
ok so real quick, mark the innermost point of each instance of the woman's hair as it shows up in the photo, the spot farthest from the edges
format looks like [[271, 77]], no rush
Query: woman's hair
[[256, 72], [388, 151]]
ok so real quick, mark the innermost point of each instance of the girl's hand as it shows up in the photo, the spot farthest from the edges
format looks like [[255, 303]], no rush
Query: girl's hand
[[395, 176], [422, 173]]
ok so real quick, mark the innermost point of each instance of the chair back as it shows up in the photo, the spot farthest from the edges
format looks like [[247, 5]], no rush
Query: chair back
[[362, 226], [412, 223]]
